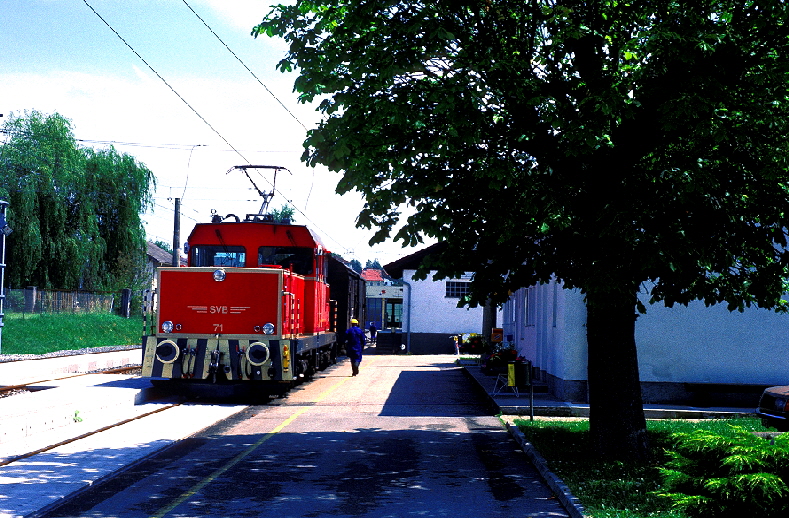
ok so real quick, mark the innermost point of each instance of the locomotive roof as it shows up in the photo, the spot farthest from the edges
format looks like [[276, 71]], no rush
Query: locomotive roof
[[282, 234]]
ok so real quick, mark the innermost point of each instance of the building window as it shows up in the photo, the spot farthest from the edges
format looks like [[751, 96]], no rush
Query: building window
[[457, 289], [215, 255], [509, 311]]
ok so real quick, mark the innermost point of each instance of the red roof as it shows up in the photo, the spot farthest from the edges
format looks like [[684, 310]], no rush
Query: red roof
[[370, 274]]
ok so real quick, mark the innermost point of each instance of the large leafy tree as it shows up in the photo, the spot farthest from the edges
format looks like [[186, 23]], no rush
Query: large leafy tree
[[75, 211], [619, 147]]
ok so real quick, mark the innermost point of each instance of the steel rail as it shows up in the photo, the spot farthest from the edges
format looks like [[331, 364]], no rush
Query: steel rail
[[84, 435], [119, 370]]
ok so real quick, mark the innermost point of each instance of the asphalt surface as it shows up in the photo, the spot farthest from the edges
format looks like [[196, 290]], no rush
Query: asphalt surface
[[409, 436]]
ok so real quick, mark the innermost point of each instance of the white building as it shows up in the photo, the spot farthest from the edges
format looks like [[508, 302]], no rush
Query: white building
[[431, 316], [693, 354]]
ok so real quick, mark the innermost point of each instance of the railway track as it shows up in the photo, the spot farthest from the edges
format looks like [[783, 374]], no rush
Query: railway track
[[22, 456], [38, 394], [11, 390]]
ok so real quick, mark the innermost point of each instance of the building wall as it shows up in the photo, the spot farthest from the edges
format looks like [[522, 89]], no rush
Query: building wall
[[547, 325], [432, 312], [681, 350], [702, 344], [433, 318], [381, 290]]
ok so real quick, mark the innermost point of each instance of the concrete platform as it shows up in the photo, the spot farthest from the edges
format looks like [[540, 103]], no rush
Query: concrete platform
[[66, 400], [65, 408], [71, 403], [18, 372], [30, 485]]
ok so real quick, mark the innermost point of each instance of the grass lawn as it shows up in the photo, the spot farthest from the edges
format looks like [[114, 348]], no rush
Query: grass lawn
[[616, 489], [39, 334]]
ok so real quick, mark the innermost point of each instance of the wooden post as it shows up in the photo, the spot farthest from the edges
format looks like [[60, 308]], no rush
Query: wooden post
[[30, 299], [126, 303]]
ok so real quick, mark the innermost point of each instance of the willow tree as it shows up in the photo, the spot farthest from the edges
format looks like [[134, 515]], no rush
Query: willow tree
[[619, 147], [75, 211]]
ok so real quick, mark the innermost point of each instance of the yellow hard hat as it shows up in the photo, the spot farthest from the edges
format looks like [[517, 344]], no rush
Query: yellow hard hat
[[354, 321]]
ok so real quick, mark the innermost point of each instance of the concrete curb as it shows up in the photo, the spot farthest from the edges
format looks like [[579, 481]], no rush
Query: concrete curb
[[571, 504], [559, 488], [38, 369]]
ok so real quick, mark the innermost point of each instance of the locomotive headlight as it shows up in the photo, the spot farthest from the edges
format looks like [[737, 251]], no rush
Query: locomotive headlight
[[219, 275], [268, 328], [167, 327]]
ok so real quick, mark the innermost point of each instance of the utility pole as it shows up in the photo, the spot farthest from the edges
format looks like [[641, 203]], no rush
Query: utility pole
[[4, 231], [177, 233]]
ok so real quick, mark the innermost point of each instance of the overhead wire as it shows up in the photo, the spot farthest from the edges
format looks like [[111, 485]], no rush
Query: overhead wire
[[139, 144], [170, 208], [244, 65], [177, 147], [312, 184], [164, 80], [205, 121]]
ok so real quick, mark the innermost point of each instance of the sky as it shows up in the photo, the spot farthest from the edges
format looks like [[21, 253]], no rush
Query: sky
[[182, 104]]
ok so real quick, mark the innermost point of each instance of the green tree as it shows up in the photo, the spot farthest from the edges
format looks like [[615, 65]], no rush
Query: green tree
[[75, 211], [117, 214], [167, 247], [285, 212], [374, 264], [619, 147], [356, 265]]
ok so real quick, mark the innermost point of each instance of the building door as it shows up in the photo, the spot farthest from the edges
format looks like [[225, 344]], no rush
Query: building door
[[394, 313]]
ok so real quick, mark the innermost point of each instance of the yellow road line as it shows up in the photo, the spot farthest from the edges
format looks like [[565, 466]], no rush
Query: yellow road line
[[241, 456]]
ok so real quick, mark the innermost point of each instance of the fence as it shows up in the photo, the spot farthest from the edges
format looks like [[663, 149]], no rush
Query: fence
[[35, 300]]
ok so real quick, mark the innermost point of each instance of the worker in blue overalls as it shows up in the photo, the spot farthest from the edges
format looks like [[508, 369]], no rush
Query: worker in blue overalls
[[354, 342]]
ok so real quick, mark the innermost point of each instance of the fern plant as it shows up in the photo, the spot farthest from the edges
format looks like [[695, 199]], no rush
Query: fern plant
[[737, 475]]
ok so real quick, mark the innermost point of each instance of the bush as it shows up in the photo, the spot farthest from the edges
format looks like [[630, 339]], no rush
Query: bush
[[622, 489], [717, 475]]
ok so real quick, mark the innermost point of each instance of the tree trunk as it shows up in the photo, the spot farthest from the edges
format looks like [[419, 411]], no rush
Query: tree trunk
[[488, 319], [616, 411]]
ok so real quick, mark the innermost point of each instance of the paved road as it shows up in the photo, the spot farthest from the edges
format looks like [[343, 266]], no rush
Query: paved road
[[407, 437]]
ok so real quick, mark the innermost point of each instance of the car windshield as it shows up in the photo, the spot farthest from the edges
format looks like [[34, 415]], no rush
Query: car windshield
[[215, 255], [299, 259]]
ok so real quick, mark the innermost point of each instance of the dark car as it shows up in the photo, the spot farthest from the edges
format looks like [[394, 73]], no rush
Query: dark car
[[774, 408]]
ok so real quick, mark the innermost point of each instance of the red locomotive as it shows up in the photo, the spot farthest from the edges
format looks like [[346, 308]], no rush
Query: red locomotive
[[253, 305]]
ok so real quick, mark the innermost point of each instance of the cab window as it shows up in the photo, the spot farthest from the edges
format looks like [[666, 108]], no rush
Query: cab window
[[217, 255], [299, 259]]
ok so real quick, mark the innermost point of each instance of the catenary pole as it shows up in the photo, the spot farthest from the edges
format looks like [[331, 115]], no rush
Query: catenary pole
[[177, 233], [4, 231]]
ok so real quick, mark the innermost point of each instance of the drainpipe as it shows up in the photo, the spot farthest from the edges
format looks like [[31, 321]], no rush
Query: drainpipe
[[408, 317]]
